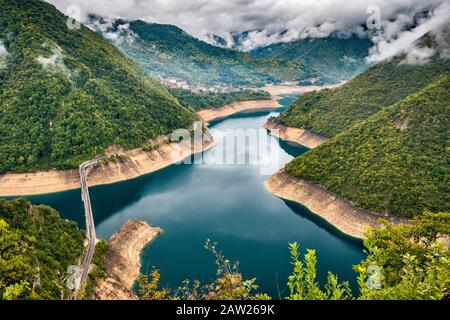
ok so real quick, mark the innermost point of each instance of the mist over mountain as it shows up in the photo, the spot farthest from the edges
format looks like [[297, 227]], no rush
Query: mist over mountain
[[252, 24], [389, 133], [169, 52], [336, 58], [330, 112]]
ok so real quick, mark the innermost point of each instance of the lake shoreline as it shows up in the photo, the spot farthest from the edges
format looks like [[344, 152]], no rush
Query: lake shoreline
[[215, 114], [137, 162], [276, 92], [297, 135], [279, 90], [123, 260], [134, 163], [335, 210]]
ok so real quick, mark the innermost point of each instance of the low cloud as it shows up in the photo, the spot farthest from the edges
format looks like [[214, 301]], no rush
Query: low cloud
[[394, 40], [55, 62], [3, 54], [255, 23], [418, 55], [116, 33]]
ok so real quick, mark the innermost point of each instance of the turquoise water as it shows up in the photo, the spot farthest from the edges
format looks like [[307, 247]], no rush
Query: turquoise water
[[225, 203]]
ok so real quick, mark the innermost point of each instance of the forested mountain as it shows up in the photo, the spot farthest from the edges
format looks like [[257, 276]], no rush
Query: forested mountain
[[202, 100], [67, 94], [167, 50], [335, 58], [36, 247], [331, 111], [396, 162]]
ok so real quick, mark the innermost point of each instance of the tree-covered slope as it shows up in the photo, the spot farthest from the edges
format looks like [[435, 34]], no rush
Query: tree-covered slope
[[396, 162], [169, 51], [334, 57], [202, 100], [36, 247], [329, 112], [67, 94]]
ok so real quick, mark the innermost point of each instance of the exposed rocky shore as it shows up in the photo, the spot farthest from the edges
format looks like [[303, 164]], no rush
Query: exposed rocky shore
[[337, 211], [277, 90], [123, 260], [211, 114], [130, 164], [297, 135]]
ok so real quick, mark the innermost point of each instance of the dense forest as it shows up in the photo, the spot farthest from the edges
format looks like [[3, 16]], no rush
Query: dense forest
[[67, 94], [167, 50], [36, 248], [331, 111], [334, 58], [203, 100], [396, 162]]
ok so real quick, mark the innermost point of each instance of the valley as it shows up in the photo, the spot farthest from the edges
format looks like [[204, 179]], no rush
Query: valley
[[289, 155]]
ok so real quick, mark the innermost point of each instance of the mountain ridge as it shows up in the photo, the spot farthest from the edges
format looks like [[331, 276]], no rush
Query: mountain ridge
[[331, 111], [165, 49], [334, 57], [68, 94], [394, 162]]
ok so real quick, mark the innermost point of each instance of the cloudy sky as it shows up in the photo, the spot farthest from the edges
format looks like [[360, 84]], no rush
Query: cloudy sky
[[268, 18]]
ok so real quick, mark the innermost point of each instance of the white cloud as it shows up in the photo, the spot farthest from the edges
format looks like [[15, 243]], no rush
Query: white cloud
[[268, 21], [418, 55], [3, 54], [55, 62], [106, 26], [394, 40]]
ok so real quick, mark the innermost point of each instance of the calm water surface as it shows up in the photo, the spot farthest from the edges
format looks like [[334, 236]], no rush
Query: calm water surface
[[225, 203]]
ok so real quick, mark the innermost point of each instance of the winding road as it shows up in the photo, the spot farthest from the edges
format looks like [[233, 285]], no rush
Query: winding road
[[90, 226]]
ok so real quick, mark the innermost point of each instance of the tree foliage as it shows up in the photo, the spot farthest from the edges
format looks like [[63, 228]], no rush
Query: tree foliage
[[229, 284], [411, 261], [68, 94], [396, 162], [403, 262], [333, 58], [406, 261], [36, 247], [303, 283], [98, 270], [329, 112], [167, 50], [198, 101]]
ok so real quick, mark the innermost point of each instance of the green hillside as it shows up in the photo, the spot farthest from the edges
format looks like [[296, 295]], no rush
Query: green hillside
[[331, 111], [66, 95], [396, 162], [201, 100], [36, 247], [167, 50], [333, 57]]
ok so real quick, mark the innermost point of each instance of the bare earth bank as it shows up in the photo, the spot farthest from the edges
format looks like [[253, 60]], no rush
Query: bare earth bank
[[123, 260], [277, 90], [210, 114], [337, 211], [136, 162], [297, 135]]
